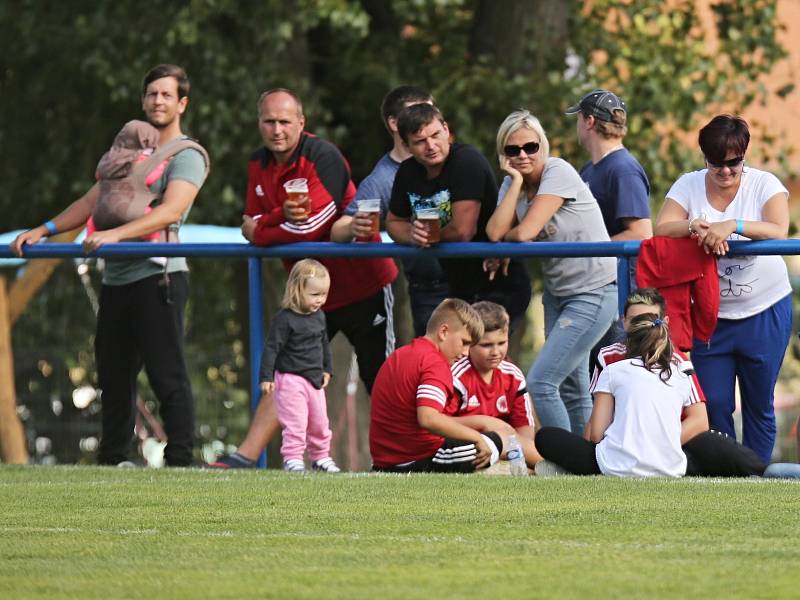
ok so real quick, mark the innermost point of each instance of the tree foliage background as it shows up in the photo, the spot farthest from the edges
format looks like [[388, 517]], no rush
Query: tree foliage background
[[71, 73]]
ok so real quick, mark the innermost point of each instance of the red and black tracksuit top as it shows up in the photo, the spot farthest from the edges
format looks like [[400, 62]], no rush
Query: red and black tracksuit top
[[331, 189]]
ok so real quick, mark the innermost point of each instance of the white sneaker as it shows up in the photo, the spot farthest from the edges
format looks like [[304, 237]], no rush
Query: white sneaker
[[549, 469], [326, 465], [294, 465]]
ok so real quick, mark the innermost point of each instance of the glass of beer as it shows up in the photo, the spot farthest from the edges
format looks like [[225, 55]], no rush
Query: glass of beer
[[430, 218], [295, 190], [371, 207]]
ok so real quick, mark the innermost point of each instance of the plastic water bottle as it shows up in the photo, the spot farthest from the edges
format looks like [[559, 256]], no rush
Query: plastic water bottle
[[516, 458]]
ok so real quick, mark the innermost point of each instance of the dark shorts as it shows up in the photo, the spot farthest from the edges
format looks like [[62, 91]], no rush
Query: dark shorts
[[369, 326], [453, 456]]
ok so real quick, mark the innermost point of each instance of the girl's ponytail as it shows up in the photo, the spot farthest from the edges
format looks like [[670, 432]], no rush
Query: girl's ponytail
[[648, 339]]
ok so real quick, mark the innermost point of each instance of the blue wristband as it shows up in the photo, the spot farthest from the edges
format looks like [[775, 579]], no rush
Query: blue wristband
[[740, 226], [51, 227]]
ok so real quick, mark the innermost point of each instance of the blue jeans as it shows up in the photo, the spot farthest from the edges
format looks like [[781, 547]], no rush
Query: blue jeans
[[783, 471], [559, 379], [750, 350]]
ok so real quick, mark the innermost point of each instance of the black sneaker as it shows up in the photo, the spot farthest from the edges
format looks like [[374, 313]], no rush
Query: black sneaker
[[232, 461]]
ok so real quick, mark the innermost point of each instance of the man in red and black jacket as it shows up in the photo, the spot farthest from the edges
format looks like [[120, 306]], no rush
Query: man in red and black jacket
[[360, 300]]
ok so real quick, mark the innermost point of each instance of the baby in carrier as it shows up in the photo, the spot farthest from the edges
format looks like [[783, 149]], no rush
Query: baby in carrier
[[135, 143]]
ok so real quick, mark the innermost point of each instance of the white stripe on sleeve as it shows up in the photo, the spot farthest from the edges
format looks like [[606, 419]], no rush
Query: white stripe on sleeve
[[431, 392], [312, 224]]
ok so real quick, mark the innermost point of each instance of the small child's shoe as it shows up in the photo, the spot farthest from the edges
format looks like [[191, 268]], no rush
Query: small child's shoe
[[294, 465], [326, 465]]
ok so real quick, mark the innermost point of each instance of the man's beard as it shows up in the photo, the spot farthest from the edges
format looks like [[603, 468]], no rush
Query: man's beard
[[160, 126]]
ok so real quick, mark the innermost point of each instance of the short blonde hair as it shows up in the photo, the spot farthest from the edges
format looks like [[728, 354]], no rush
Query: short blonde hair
[[520, 119], [456, 313], [493, 316], [301, 272]]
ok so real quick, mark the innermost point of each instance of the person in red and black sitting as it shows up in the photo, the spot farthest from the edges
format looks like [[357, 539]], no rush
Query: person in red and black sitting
[[411, 424]]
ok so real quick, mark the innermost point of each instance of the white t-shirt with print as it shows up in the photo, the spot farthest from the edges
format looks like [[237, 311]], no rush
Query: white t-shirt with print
[[748, 285], [644, 439]]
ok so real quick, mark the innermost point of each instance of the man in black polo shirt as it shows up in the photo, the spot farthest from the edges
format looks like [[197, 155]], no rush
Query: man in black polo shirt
[[457, 180]]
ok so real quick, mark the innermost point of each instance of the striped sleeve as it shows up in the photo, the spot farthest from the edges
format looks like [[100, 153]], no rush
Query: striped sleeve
[[520, 407], [435, 387], [330, 190], [686, 366], [427, 393], [606, 356]]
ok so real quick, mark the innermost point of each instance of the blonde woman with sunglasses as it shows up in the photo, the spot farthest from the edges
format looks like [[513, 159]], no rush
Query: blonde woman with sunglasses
[[543, 199]]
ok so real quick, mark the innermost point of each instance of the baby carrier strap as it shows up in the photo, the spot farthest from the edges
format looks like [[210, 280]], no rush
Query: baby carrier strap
[[142, 196], [162, 153], [169, 150]]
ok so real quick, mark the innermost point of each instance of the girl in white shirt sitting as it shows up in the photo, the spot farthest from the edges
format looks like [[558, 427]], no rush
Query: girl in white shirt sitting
[[635, 429]]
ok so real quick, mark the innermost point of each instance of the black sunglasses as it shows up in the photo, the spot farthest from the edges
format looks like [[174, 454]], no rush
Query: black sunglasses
[[512, 151], [731, 164]]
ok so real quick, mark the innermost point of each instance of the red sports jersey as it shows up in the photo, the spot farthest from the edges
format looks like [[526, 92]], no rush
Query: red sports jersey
[[414, 375], [615, 352], [331, 190], [506, 397]]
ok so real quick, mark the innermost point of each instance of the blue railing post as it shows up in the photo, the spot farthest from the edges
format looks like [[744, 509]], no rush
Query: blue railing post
[[623, 282], [256, 313]]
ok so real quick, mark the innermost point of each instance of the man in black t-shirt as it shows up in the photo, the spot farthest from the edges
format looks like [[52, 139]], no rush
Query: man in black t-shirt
[[456, 180]]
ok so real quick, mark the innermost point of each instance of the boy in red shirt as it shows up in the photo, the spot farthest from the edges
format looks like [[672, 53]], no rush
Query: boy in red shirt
[[488, 385], [411, 424]]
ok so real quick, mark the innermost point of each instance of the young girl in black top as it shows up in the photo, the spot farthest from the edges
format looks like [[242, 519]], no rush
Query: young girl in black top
[[296, 367]]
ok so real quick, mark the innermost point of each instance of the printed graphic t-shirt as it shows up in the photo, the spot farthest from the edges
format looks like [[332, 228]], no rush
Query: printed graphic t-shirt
[[465, 175]]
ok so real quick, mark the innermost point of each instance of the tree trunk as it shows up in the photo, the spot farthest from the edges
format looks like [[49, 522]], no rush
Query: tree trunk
[[502, 32]]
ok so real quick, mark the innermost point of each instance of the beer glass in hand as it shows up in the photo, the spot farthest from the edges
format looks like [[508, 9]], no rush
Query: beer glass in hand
[[370, 208], [430, 218], [297, 192]]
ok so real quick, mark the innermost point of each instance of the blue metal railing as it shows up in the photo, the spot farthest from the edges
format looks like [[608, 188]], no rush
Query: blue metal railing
[[622, 250]]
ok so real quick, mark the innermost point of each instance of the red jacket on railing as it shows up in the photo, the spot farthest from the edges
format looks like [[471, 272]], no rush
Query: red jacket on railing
[[687, 278]]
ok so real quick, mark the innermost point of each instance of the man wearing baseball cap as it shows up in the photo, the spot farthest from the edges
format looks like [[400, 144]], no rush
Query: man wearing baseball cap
[[615, 177]]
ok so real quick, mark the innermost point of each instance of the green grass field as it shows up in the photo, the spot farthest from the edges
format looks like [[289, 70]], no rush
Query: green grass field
[[91, 532]]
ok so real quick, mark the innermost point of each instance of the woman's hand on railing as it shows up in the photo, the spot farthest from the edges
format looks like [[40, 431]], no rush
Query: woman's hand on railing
[[715, 236]]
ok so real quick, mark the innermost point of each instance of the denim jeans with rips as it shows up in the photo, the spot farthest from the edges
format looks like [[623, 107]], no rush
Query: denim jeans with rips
[[559, 378]]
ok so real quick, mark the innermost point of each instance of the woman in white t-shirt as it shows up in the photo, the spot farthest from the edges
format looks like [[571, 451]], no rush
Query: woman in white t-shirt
[[730, 201], [543, 199], [635, 429]]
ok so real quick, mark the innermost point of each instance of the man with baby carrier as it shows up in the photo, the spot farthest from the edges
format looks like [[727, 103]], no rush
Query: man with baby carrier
[[146, 185]]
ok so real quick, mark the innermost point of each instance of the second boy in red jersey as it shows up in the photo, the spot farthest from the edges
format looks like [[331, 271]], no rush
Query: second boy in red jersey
[[488, 385]]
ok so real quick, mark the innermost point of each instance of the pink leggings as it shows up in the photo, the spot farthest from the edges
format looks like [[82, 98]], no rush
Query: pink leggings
[[303, 414]]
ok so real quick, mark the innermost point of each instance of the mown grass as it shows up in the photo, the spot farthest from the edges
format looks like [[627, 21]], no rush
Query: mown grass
[[90, 532]]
